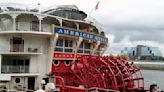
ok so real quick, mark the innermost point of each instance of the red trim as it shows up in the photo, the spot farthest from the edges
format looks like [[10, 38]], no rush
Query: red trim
[[67, 55]]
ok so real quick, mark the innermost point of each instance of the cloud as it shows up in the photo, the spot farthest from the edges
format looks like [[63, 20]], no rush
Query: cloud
[[136, 35], [132, 22], [132, 14], [110, 38], [115, 48], [126, 22]]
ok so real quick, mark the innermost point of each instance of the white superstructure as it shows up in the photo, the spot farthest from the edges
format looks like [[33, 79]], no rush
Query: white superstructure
[[25, 47], [27, 42]]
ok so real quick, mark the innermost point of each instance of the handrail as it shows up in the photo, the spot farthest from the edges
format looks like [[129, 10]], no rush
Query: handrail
[[14, 69], [102, 89]]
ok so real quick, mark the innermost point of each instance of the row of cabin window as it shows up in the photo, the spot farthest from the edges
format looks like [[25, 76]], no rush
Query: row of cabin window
[[71, 50], [69, 43], [65, 43], [67, 46]]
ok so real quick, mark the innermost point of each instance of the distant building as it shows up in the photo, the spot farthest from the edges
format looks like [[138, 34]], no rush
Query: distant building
[[142, 52]]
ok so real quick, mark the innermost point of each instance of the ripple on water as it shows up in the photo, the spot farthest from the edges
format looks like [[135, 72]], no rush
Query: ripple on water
[[154, 76]]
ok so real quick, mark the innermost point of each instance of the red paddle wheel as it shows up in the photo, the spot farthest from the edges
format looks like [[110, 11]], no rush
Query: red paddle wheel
[[116, 73]]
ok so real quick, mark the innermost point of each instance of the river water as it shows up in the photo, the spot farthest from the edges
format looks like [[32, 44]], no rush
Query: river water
[[154, 76]]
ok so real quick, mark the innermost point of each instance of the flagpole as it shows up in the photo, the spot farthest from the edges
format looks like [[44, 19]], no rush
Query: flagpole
[[94, 8], [90, 12]]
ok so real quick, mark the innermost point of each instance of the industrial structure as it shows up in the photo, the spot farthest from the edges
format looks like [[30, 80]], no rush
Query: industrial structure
[[142, 52]]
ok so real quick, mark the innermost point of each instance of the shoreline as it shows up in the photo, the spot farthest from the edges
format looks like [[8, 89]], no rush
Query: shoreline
[[149, 65]]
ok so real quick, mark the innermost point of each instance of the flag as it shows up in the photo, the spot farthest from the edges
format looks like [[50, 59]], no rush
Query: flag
[[97, 5], [94, 8]]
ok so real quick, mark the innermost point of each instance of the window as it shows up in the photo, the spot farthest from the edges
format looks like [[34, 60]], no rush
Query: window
[[87, 45], [59, 42], [68, 50], [68, 43], [81, 45], [98, 49], [133, 53], [87, 52], [98, 53], [79, 51], [59, 45], [59, 49], [17, 44], [35, 26], [21, 62], [5, 23], [84, 48], [150, 51]]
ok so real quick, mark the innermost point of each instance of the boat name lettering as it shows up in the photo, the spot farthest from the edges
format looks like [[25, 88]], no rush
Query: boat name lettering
[[80, 34]]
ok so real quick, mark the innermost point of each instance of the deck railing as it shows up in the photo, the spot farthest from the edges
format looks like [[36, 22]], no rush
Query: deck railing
[[17, 48], [21, 48], [14, 69]]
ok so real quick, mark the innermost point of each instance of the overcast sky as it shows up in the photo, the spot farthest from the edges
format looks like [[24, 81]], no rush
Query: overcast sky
[[127, 22]]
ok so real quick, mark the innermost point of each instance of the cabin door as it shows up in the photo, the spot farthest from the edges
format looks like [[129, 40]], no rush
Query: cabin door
[[17, 44], [31, 83]]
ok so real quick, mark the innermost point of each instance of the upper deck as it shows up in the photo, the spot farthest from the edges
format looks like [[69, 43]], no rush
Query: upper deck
[[59, 22], [16, 19]]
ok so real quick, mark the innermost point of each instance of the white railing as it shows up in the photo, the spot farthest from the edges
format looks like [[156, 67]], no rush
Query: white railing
[[25, 26], [14, 69], [34, 50], [21, 48], [17, 48]]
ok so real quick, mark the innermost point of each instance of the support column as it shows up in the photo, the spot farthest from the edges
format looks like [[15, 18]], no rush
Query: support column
[[60, 21], [14, 16], [40, 18], [53, 41], [97, 45], [0, 62], [40, 24], [77, 46], [75, 51], [40, 21], [104, 50], [77, 26], [14, 24]]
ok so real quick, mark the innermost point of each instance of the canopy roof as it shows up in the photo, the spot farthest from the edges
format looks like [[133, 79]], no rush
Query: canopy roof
[[18, 7]]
